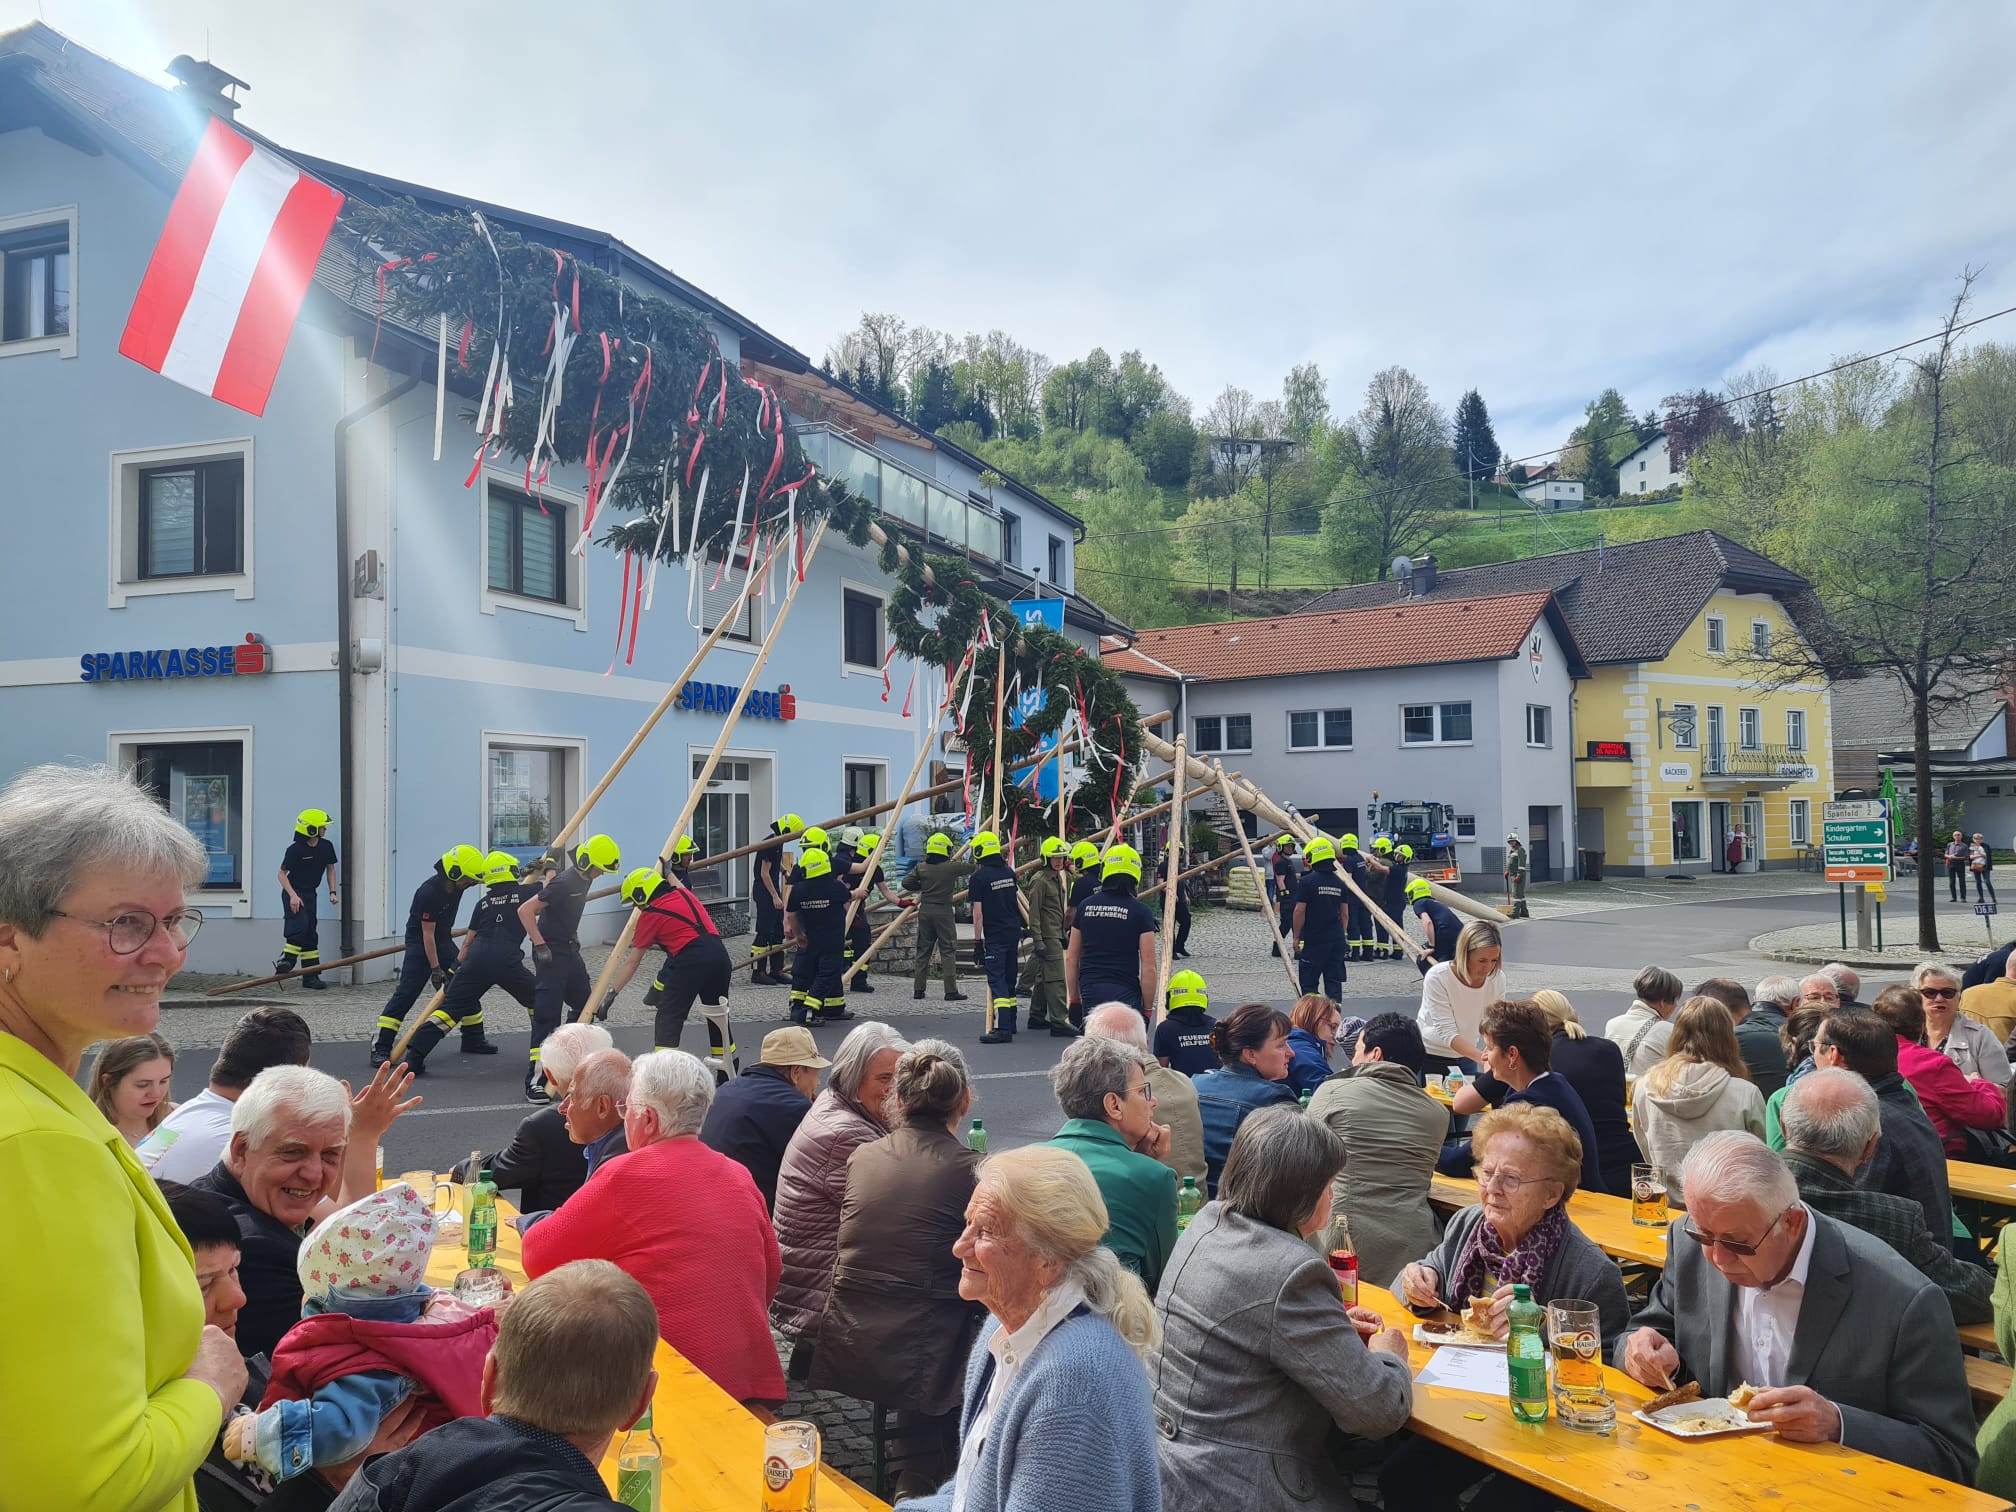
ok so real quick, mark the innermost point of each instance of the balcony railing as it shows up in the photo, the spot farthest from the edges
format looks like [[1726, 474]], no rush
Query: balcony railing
[[1781, 763], [902, 492]]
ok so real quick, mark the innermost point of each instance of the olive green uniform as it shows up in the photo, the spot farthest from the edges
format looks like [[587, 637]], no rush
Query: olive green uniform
[[934, 880], [1515, 878], [1047, 892]]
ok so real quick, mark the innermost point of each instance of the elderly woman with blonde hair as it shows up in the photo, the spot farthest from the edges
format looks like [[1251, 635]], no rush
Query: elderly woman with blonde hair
[[1057, 1410]]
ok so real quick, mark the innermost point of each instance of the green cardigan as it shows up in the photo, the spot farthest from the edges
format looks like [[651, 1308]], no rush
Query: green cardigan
[[1140, 1196], [1996, 1441]]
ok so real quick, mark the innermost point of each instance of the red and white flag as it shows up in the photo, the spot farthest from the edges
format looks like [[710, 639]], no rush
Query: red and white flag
[[228, 276]]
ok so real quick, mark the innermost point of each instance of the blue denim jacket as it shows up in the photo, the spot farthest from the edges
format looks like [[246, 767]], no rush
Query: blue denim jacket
[[339, 1421], [1224, 1098]]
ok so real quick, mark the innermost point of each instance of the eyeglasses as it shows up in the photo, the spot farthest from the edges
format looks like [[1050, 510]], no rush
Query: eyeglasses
[[1938, 992], [1142, 1088], [129, 932], [1489, 1177], [1731, 1245]]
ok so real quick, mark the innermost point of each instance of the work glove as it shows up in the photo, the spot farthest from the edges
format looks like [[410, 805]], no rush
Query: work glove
[[980, 955], [542, 956], [602, 1008], [438, 977]]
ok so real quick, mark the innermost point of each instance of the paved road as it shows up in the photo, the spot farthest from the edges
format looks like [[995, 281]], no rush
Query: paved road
[[472, 1102]]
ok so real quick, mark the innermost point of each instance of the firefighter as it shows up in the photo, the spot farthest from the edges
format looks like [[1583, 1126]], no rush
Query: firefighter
[[1439, 926], [1048, 900], [430, 944], [1515, 876], [1085, 857], [1111, 957], [817, 915], [997, 916], [864, 875], [552, 920], [769, 952], [1393, 898], [670, 918], [934, 880], [685, 851], [1358, 921], [1285, 877], [309, 861], [495, 958], [1320, 914]]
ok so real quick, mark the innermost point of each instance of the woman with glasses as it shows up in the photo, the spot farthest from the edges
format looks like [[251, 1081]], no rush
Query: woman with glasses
[[1529, 1162], [1102, 1086], [112, 1386], [1967, 1043]]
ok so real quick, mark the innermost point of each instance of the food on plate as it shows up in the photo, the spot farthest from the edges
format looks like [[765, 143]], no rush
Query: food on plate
[[1691, 1392], [1441, 1330], [1740, 1397], [1477, 1316], [1706, 1424]]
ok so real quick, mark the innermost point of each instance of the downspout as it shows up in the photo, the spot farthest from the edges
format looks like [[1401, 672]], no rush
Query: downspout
[[346, 781]]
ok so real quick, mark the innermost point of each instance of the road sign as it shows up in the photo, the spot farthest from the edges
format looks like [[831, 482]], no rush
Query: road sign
[[1985, 910], [1855, 841]]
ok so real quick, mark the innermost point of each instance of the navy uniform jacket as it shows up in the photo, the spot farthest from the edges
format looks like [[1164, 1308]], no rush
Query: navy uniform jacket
[[1110, 926], [993, 890], [1323, 896], [821, 906]]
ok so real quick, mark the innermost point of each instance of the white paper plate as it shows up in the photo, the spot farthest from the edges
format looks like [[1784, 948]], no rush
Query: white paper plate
[[1455, 1341], [1722, 1420]]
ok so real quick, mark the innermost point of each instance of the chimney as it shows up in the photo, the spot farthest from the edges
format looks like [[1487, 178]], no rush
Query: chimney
[[1424, 574], [205, 84]]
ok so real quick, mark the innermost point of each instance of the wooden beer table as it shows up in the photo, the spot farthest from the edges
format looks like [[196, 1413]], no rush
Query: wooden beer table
[[1983, 1183], [1640, 1469], [1604, 1220], [713, 1445]]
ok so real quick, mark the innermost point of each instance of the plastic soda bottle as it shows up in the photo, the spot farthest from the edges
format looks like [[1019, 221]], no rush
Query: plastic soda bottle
[[976, 1137], [1188, 1201], [640, 1467], [1526, 1357], [1307, 1093], [483, 1222]]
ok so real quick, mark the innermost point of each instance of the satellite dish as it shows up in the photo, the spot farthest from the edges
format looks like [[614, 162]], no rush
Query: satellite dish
[[1403, 567]]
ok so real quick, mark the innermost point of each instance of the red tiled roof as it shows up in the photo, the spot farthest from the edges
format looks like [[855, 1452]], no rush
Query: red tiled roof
[[1400, 633]]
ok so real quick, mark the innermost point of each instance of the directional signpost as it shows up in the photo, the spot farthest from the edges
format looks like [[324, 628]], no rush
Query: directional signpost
[[1855, 847]]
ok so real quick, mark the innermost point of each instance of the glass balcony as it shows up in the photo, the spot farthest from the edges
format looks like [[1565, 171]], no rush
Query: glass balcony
[[911, 497]]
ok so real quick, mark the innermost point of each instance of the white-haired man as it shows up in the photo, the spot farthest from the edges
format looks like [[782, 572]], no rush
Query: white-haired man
[[686, 1221], [1773, 999], [1179, 1141], [541, 1162], [1847, 983], [1842, 1340]]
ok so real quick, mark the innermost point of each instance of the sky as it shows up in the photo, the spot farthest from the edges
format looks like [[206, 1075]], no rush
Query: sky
[[1537, 201]]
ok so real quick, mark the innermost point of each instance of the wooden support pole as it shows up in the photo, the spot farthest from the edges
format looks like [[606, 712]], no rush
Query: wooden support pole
[[1259, 881], [902, 801], [1000, 733], [1172, 859]]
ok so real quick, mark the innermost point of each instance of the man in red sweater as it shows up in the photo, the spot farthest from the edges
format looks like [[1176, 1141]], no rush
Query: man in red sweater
[[687, 1222]]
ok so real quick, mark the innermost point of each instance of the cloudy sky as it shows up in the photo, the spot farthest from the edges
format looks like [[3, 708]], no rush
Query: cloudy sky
[[1537, 200]]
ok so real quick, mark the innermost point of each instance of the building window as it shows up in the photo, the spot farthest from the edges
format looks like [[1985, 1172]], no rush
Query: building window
[[721, 595], [1687, 831], [1539, 725], [1641, 464], [1718, 635], [1760, 637], [1799, 818], [192, 519], [37, 282], [1056, 560], [1795, 729], [1435, 724], [528, 792], [1750, 729], [863, 783], [201, 783], [861, 629], [1685, 726], [527, 546], [1228, 732], [1319, 729], [1466, 826], [1011, 538]]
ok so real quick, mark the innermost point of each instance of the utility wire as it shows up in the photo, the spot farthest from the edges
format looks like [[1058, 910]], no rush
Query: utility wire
[[1733, 399]]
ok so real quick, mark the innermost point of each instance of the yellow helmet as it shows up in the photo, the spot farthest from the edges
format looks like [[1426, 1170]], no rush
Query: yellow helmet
[[1054, 846], [460, 862], [1404, 852], [309, 820], [1381, 845], [866, 841], [814, 838], [938, 843], [1284, 841], [499, 866], [684, 847], [986, 843], [1084, 853], [642, 885], [598, 853], [1419, 889], [1319, 849], [1121, 861], [790, 824], [816, 863], [1186, 990]]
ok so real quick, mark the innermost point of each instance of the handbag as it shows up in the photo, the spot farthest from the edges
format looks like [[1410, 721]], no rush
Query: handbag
[[1991, 1147]]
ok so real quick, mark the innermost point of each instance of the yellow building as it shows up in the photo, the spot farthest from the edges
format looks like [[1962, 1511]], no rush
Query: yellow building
[[1683, 755]]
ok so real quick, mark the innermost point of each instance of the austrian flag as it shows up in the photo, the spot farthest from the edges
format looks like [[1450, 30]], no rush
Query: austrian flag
[[228, 276]]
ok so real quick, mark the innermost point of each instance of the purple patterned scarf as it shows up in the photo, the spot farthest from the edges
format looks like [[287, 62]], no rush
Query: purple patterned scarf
[[1485, 1254]]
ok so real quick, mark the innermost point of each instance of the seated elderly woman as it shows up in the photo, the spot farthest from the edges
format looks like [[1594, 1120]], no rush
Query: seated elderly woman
[[1529, 1162], [1253, 1054], [687, 1222], [1954, 1100], [1260, 1360], [1968, 1043], [1102, 1086], [896, 1330], [1057, 1411], [112, 1386], [812, 1181]]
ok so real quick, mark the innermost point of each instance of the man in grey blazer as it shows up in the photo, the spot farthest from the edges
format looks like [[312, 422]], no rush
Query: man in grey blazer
[[1845, 1341]]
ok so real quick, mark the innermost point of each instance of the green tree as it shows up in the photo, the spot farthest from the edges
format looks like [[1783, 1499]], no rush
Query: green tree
[[1305, 402], [1594, 465], [1394, 497], [1164, 443], [1476, 444], [1221, 540], [1610, 417]]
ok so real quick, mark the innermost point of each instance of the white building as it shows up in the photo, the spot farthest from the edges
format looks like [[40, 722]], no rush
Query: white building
[[1649, 469], [1553, 493]]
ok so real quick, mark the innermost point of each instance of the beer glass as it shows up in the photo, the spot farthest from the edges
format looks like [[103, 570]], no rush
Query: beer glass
[[1575, 1334], [430, 1187], [791, 1467], [1648, 1196]]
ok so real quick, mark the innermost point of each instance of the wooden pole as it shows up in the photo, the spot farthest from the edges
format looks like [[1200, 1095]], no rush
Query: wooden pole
[[902, 801], [1259, 881], [1165, 956], [700, 780], [1000, 733]]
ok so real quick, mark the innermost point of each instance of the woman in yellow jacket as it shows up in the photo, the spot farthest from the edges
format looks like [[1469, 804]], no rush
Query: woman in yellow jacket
[[112, 1387]]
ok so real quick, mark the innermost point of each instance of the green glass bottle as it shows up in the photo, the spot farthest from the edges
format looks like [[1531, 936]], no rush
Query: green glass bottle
[[976, 1137], [1188, 1201], [1526, 1357], [483, 1222], [640, 1467]]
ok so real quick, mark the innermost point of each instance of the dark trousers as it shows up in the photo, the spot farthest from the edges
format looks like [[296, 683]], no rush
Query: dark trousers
[[1358, 925], [1956, 882], [414, 973], [1003, 956], [562, 983], [1321, 966], [462, 1004], [1181, 945], [817, 979], [1097, 992], [301, 944], [937, 932], [859, 937], [1983, 881], [701, 972], [768, 947]]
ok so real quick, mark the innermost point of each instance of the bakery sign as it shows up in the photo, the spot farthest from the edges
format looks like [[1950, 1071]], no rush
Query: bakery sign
[[250, 657]]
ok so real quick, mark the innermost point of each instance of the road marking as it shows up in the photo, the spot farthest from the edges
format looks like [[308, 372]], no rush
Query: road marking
[[1005, 1075], [521, 1105]]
